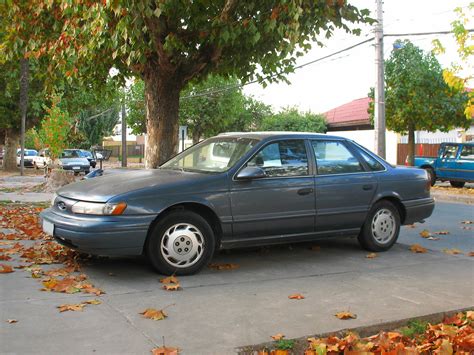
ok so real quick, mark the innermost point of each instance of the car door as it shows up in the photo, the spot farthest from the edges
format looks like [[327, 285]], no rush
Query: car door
[[465, 163], [280, 203], [344, 187], [446, 166]]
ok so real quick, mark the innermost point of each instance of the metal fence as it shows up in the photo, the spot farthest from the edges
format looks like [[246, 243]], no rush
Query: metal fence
[[136, 150]]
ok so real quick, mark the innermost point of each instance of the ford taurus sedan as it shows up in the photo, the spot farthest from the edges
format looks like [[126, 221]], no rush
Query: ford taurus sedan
[[238, 190]]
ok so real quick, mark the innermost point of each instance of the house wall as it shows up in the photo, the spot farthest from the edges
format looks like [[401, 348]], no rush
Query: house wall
[[366, 138], [456, 135]]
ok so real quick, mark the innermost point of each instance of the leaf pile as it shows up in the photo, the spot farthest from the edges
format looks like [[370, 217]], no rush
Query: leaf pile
[[454, 335]]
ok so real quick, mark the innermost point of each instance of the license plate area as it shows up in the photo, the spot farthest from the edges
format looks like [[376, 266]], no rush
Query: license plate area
[[76, 168], [48, 227]]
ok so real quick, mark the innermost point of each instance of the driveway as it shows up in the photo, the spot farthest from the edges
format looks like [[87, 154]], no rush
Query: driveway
[[217, 311]]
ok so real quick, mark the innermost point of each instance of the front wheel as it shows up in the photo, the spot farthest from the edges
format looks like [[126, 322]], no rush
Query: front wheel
[[457, 184], [181, 243], [381, 228]]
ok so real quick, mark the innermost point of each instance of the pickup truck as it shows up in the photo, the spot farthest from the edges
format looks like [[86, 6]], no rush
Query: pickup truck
[[454, 163]]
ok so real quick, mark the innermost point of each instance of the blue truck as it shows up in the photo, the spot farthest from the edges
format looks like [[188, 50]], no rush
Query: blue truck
[[454, 163]]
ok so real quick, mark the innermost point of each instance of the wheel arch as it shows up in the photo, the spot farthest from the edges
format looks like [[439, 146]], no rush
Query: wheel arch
[[199, 208], [396, 201]]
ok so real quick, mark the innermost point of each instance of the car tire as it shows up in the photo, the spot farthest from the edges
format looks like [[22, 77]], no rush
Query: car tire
[[457, 184], [167, 244], [86, 172], [381, 228], [431, 175]]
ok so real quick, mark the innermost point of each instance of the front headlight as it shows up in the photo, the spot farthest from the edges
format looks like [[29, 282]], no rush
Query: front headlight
[[82, 207]]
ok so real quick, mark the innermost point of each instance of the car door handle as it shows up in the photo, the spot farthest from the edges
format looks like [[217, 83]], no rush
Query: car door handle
[[305, 191], [367, 187]]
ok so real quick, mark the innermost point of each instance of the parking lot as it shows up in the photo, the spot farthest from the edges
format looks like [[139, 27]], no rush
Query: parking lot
[[217, 311]]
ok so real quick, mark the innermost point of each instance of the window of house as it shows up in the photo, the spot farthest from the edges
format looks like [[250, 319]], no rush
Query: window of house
[[282, 159], [333, 157]]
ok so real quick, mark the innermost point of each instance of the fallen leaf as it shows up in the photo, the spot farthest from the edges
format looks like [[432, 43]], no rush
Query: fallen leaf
[[71, 307], [452, 251], [165, 350], [174, 287], [467, 222], [223, 266], [425, 233], [470, 315], [296, 296], [471, 253], [12, 321], [277, 337], [417, 248], [170, 280], [155, 314], [371, 255], [442, 232], [432, 238], [92, 302], [345, 315], [5, 269], [315, 248], [467, 228], [411, 226]]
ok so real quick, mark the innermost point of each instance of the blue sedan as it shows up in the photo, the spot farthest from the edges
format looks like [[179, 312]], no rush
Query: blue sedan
[[238, 190]]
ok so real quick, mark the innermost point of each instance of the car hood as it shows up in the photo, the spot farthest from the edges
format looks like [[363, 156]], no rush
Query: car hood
[[103, 188]]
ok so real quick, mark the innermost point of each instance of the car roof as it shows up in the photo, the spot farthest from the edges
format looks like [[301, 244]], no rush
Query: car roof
[[277, 134]]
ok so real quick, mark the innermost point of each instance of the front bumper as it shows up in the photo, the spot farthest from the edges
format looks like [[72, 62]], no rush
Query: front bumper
[[100, 235], [417, 210]]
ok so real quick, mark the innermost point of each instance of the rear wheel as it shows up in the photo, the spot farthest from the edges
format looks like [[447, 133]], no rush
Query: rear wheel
[[181, 243], [458, 184], [381, 228]]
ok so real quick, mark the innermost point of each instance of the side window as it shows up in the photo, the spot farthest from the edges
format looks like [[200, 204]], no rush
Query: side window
[[281, 159], [334, 158], [467, 152], [374, 164], [450, 151]]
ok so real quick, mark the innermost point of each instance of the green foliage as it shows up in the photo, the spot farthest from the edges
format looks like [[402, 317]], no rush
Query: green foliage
[[33, 139], [55, 128], [135, 102], [290, 119], [285, 344], [414, 328]]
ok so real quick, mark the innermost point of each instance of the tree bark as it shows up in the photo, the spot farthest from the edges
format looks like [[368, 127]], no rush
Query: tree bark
[[12, 138], [162, 91], [196, 136], [411, 145]]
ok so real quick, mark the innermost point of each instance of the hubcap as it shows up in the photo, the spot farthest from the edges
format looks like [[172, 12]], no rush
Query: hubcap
[[383, 226], [182, 245]]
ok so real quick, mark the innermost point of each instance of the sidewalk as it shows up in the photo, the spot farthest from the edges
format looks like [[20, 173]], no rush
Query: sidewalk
[[442, 191]]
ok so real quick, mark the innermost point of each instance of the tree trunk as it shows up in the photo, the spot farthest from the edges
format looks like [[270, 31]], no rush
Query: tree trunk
[[411, 145], [162, 105], [12, 138], [24, 83], [196, 136]]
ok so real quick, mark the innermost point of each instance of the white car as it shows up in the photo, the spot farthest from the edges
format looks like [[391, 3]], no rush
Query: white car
[[28, 159]]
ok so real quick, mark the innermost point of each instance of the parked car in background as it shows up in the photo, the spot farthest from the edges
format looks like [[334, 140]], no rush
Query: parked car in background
[[71, 159], [28, 158], [454, 163], [88, 155], [241, 189]]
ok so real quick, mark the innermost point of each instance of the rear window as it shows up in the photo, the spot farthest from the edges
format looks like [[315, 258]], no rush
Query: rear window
[[333, 157], [372, 163]]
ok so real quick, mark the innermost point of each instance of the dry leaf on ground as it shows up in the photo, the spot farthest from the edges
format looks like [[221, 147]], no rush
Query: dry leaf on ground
[[71, 307], [452, 251], [92, 302], [165, 350], [467, 222], [277, 337], [155, 314], [425, 233], [5, 269], [471, 253], [345, 315], [12, 321], [172, 287], [228, 266], [371, 255], [417, 248], [411, 226], [169, 280], [315, 248], [442, 232], [296, 296]]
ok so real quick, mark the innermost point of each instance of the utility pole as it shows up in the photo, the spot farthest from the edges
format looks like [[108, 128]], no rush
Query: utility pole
[[379, 104], [24, 76], [124, 137]]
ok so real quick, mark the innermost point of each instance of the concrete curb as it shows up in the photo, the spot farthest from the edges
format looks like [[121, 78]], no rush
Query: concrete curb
[[363, 331], [26, 197], [441, 196]]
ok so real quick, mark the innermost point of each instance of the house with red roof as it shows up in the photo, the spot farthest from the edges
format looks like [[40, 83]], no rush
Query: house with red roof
[[353, 115]]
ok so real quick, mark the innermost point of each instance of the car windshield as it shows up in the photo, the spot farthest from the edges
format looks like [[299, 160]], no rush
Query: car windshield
[[214, 155], [70, 154], [86, 154]]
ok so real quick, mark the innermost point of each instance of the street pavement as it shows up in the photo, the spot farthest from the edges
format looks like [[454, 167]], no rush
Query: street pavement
[[217, 311]]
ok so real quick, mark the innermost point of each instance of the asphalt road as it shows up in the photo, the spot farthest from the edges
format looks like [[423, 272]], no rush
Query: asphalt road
[[217, 311]]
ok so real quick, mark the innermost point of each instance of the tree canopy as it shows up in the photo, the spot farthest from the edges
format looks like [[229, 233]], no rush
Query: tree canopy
[[291, 119]]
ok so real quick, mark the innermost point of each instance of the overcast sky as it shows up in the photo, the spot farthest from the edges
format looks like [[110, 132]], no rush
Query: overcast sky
[[348, 76]]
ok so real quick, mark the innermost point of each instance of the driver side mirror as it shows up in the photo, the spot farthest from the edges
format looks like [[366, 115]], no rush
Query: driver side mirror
[[250, 173]]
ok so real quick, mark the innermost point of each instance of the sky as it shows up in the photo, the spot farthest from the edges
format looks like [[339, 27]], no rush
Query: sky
[[350, 75]]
